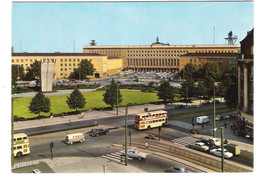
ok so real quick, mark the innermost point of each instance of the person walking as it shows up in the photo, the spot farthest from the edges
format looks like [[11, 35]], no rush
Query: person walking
[[225, 125], [146, 145]]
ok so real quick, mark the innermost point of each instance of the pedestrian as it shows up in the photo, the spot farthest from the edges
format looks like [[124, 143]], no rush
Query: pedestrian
[[69, 122], [146, 145], [226, 141], [95, 122], [225, 125], [231, 126], [121, 159]]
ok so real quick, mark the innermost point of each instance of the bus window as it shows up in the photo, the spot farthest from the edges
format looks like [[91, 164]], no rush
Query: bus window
[[156, 114], [18, 139], [24, 138], [143, 116], [19, 147]]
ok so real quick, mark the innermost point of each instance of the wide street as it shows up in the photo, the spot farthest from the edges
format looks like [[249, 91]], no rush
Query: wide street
[[104, 147]]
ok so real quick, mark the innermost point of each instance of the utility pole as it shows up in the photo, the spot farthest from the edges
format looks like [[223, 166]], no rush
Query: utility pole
[[12, 152], [214, 116], [126, 111], [222, 149], [79, 72], [117, 97], [130, 134]]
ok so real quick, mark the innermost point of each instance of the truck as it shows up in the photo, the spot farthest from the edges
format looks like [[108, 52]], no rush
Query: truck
[[235, 149]]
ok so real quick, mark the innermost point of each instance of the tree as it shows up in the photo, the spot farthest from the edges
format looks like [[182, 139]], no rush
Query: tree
[[34, 72], [112, 94], [229, 87], [166, 92], [211, 74], [200, 90], [39, 104], [85, 68], [188, 87], [17, 73], [188, 71], [76, 100]]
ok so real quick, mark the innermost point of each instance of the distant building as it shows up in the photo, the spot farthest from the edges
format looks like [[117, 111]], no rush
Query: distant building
[[65, 63], [245, 123], [163, 57]]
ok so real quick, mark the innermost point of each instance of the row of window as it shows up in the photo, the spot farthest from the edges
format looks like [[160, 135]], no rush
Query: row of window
[[153, 62], [149, 115], [52, 60], [216, 51], [157, 51], [153, 55], [154, 121]]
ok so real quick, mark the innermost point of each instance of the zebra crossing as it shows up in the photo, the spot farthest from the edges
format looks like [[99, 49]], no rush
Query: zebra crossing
[[184, 141], [115, 156]]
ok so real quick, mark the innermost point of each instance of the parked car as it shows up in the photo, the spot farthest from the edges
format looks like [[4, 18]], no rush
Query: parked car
[[76, 137], [215, 141], [134, 153], [216, 102], [217, 118], [206, 102], [99, 131], [207, 142], [199, 146], [227, 116], [218, 152]]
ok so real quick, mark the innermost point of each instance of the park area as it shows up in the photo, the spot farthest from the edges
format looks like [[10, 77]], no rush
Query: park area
[[94, 101]]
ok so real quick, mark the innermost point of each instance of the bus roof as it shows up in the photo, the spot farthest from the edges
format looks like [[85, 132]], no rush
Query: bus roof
[[152, 112], [20, 135]]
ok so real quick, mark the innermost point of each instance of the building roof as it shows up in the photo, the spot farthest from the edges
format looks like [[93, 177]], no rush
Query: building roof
[[210, 55], [56, 54], [161, 46]]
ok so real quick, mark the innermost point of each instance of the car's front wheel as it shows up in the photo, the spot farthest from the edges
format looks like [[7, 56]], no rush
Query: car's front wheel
[[139, 158]]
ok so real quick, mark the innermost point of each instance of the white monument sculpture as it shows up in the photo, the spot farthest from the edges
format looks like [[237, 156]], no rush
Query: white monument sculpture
[[47, 74]]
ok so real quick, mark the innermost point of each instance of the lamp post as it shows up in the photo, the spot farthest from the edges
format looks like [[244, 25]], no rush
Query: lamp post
[[214, 116], [126, 111], [222, 149], [117, 97], [12, 120]]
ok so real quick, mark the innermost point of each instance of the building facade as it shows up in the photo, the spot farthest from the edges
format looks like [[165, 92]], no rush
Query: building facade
[[65, 63], [161, 57], [245, 122]]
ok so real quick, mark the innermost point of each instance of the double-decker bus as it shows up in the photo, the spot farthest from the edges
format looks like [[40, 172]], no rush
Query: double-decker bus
[[150, 120], [21, 145]]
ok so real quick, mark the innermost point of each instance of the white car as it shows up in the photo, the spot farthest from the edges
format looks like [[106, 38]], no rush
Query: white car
[[217, 118], [200, 146], [218, 152], [133, 153], [215, 141]]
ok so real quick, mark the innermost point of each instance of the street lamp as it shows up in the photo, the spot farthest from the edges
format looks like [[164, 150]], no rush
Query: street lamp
[[214, 115]]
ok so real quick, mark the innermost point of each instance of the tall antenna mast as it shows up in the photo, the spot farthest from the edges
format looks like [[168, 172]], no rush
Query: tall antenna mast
[[231, 39]]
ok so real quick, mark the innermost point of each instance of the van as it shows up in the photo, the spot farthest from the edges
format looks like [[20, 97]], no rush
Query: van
[[77, 137], [202, 119]]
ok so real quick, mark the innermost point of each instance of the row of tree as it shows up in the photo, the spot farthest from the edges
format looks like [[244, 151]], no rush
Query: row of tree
[[201, 83]]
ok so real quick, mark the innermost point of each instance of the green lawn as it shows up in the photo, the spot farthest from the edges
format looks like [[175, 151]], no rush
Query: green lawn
[[93, 99]]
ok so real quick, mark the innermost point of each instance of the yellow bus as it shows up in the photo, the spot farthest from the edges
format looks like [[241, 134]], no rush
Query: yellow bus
[[21, 145], [150, 120]]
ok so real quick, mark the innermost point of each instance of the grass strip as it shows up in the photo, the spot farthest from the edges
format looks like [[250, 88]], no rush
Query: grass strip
[[199, 113]]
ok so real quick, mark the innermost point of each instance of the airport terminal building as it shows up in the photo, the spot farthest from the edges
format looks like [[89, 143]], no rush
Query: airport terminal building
[[161, 57]]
